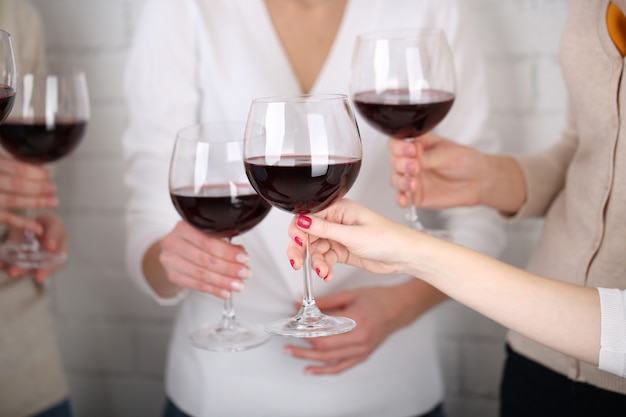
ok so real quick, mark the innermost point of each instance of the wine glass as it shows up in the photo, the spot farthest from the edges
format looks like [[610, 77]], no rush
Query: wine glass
[[47, 123], [8, 77], [210, 190], [301, 154], [403, 84]]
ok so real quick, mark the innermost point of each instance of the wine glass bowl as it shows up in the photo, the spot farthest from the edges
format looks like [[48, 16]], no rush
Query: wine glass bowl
[[301, 154], [210, 190], [403, 84], [47, 123], [8, 76]]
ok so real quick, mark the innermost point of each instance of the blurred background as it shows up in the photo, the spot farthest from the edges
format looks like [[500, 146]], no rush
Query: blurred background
[[114, 340]]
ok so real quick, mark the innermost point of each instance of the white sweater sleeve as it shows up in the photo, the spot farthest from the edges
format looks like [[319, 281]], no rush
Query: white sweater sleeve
[[613, 331], [162, 97]]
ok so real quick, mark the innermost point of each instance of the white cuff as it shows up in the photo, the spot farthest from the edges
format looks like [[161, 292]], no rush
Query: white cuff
[[613, 331]]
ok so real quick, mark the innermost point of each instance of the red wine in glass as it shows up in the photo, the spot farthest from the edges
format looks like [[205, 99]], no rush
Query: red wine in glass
[[215, 209], [209, 188], [403, 84], [401, 114], [39, 143], [7, 97], [46, 124], [302, 153], [297, 185]]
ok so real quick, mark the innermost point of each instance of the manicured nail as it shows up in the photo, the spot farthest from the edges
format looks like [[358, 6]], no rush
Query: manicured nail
[[304, 222], [242, 258], [292, 262], [319, 274], [245, 273], [299, 241], [411, 167], [236, 285]]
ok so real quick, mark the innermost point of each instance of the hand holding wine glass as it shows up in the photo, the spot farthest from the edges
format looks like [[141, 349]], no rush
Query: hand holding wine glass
[[47, 123], [24, 185], [403, 84], [302, 153], [447, 173], [210, 190]]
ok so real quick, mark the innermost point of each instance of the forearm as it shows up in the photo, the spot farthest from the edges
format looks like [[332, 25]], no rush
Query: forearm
[[561, 316], [155, 274], [504, 186], [413, 299]]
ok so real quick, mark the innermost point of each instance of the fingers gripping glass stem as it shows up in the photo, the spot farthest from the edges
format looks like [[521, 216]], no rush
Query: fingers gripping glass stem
[[28, 253], [230, 335], [310, 321]]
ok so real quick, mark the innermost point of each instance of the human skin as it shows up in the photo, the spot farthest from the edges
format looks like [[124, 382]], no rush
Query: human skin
[[27, 186], [562, 316]]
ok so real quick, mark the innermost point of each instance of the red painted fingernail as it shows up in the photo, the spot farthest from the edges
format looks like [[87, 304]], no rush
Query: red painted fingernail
[[304, 222], [298, 241], [319, 274], [292, 262]]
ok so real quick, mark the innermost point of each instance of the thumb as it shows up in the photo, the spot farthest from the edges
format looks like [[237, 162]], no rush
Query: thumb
[[428, 140]]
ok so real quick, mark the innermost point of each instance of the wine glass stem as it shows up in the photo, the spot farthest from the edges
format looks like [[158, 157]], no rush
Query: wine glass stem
[[228, 311], [412, 219], [307, 300], [29, 239]]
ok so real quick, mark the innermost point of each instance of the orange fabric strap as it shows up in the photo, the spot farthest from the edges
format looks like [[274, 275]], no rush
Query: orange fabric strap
[[616, 23]]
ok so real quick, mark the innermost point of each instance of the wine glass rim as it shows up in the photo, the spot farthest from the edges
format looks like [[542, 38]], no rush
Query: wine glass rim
[[191, 132], [302, 98], [402, 34], [65, 72]]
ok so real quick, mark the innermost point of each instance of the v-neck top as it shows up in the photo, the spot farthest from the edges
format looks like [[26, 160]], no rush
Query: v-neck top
[[194, 61]]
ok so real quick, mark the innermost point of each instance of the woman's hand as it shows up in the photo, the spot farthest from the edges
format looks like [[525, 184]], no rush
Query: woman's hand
[[194, 259], [25, 186], [378, 311], [439, 173], [51, 235], [350, 233], [374, 309]]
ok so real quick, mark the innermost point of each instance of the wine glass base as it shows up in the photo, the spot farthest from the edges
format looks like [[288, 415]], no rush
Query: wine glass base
[[241, 336], [307, 327], [23, 256]]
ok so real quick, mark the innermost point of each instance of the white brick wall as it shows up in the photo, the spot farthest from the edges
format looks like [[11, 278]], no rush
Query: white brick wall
[[114, 340]]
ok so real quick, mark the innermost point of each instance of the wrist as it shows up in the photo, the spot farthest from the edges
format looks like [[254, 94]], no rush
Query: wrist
[[503, 186]]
